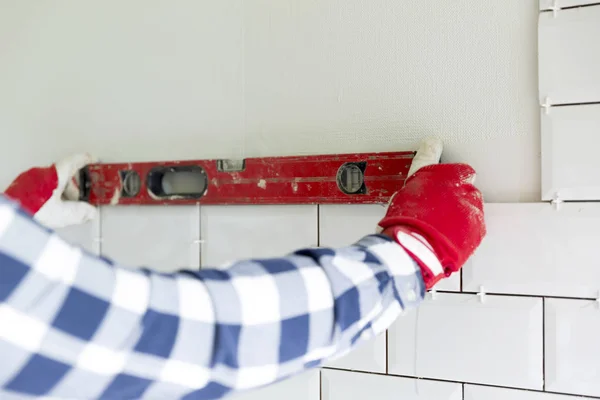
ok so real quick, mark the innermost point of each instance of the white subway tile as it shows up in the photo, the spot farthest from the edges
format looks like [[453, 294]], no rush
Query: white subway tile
[[231, 233], [572, 346], [346, 385], [302, 387], [570, 163], [548, 4], [460, 338], [369, 356], [569, 56], [343, 225], [473, 392], [160, 237], [85, 235], [534, 249]]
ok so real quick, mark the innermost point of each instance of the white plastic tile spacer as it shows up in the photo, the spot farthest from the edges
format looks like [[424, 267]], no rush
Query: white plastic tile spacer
[[555, 8], [546, 105], [598, 299], [432, 294], [98, 240], [556, 201], [481, 294], [195, 241]]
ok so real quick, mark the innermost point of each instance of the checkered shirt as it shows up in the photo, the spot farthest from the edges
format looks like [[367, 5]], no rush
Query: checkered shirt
[[77, 326]]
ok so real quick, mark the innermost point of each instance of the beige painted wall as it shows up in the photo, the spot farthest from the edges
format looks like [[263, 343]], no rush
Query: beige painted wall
[[143, 80]]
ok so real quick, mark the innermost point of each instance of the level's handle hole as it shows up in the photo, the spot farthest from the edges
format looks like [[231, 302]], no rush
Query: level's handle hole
[[177, 181]]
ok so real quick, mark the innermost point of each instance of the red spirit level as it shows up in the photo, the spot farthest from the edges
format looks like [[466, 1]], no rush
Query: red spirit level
[[323, 179]]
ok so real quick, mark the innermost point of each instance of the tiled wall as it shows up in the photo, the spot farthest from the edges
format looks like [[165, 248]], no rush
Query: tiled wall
[[569, 93], [520, 323]]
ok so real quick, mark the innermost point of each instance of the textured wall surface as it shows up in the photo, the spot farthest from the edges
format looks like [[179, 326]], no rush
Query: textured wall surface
[[147, 80]]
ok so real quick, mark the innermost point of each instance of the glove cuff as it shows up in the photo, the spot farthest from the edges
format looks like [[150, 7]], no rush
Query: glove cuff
[[419, 249]]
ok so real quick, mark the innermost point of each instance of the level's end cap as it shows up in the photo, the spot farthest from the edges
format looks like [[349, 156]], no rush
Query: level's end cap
[[429, 153]]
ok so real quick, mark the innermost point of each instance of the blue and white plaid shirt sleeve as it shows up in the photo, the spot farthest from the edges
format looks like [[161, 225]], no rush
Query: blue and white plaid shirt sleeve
[[73, 325]]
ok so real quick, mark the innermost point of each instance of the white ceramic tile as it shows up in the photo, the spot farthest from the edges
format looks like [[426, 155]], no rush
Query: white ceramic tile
[[569, 56], [369, 356], [473, 392], [534, 249], [345, 385], [457, 337], [160, 237], [302, 387], [343, 225], [570, 163], [548, 4], [572, 346], [236, 232], [85, 235]]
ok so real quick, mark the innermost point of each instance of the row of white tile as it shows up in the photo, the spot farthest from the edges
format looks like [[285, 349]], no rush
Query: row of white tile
[[346, 385], [170, 238], [160, 237], [569, 74], [504, 341], [530, 248]]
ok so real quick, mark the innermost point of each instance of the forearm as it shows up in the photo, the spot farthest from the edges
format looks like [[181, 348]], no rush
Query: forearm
[[212, 331], [371, 283], [313, 304]]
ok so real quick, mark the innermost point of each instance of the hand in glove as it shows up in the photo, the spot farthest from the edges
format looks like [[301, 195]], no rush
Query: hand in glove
[[50, 194], [437, 217]]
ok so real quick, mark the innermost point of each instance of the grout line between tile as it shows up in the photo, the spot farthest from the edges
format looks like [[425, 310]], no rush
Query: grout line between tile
[[578, 396], [99, 232], [570, 8], [387, 358], [320, 384], [543, 344], [318, 225], [200, 245], [532, 296], [462, 389]]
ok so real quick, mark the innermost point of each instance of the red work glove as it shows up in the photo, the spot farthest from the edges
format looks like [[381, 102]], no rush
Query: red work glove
[[437, 217], [50, 194]]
